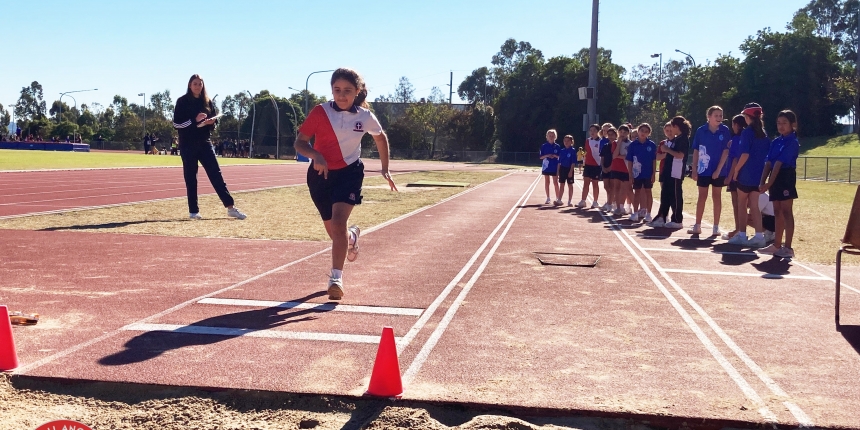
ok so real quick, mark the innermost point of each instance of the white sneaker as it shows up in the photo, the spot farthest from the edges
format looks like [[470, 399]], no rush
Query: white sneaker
[[595, 205], [546, 202], [606, 208], [233, 212], [674, 225], [769, 250], [195, 215], [581, 204], [569, 204], [738, 240], [647, 218], [335, 288], [696, 229], [634, 217], [628, 211], [557, 203], [769, 236], [729, 235], [352, 252], [716, 230], [657, 223], [618, 211], [756, 242], [784, 253]]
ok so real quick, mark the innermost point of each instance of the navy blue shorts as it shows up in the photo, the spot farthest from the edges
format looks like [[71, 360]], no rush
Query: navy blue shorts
[[563, 174], [591, 172], [784, 186], [709, 181], [639, 184], [342, 186], [621, 176]]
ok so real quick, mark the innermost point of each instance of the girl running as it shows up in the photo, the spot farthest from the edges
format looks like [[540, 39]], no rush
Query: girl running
[[549, 154], [336, 172], [566, 161], [672, 177], [619, 175], [642, 164], [738, 126], [780, 169], [749, 170], [591, 171], [710, 151], [194, 119]]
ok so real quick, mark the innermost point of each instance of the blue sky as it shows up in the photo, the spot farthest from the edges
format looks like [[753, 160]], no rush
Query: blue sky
[[123, 47]]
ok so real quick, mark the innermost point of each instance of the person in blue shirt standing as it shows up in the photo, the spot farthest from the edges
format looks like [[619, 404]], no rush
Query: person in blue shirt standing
[[738, 125], [566, 161], [710, 151], [748, 172], [549, 157], [780, 168], [642, 165], [606, 162]]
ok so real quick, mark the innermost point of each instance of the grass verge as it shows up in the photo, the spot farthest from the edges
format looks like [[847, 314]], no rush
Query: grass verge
[[284, 213], [11, 159], [831, 146], [820, 216]]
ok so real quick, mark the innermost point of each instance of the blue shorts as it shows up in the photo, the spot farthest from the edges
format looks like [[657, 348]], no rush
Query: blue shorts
[[342, 186]]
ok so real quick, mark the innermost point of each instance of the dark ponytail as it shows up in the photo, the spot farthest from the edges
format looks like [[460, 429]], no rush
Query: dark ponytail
[[355, 79], [682, 124]]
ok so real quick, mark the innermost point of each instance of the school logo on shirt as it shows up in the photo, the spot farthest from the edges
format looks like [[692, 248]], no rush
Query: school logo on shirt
[[721, 138], [358, 127], [648, 148]]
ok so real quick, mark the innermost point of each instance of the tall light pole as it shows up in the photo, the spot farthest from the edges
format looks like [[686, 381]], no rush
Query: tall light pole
[[660, 78], [144, 112], [306, 86], [76, 103], [688, 56], [592, 66], [278, 128], [253, 118]]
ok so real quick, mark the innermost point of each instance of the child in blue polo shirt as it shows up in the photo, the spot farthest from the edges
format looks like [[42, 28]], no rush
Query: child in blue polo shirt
[[642, 165], [566, 161], [710, 151], [738, 126], [549, 156], [606, 162], [748, 172], [780, 168]]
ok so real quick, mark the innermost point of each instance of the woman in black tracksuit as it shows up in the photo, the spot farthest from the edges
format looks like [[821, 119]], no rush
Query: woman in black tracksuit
[[194, 118]]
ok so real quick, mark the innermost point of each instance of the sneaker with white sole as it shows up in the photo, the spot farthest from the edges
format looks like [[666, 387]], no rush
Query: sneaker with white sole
[[547, 201], [756, 242], [695, 229], [716, 231], [235, 213], [352, 251], [784, 253], [606, 208], [738, 240], [657, 223], [335, 288], [569, 204], [729, 235], [769, 250], [648, 218], [581, 204], [675, 225], [769, 236], [595, 205], [557, 203], [195, 215], [634, 218]]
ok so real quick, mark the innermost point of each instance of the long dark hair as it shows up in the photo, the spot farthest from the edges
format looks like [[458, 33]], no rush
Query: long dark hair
[[682, 124], [790, 116], [354, 78], [203, 95], [739, 121]]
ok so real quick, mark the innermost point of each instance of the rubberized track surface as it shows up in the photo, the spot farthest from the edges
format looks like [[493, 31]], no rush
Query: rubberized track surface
[[664, 325]]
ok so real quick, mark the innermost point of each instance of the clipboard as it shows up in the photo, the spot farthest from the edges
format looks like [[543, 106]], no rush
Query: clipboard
[[216, 117]]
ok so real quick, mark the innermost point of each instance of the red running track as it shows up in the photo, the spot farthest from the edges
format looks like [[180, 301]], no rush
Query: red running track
[[48, 191]]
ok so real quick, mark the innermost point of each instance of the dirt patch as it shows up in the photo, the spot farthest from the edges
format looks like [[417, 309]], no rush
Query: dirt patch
[[281, 214], [26, 403]]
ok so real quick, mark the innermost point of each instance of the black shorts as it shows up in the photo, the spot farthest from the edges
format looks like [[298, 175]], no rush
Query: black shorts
[[733, 186], [784, 187], [768, 222], [638, 184], [706, 181], [621, 176], [342, 186], [563, 173], [748, 188], [591, 172]]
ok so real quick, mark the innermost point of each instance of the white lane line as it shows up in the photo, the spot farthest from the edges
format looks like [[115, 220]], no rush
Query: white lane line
[[751, 275], [699, 251], [739, 380], [431, 342], [325, 307], [244, 332], [416, 328], [749, 362], [824, 276], [80, 346]]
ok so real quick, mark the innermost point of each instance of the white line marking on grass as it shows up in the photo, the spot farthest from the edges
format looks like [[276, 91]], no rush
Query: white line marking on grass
[[244, 332], [445, 292], [431, 342], [316, 306], [752, 275], [733, 373], [80, 346]]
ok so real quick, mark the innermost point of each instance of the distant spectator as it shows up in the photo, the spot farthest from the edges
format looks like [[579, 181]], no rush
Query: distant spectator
[[147, 142]]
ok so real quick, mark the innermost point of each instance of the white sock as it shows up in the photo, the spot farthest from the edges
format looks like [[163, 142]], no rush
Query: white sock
[[337, 274]]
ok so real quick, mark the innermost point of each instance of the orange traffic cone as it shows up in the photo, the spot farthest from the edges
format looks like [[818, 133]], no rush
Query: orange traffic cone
[[8, 356], [385, 379]]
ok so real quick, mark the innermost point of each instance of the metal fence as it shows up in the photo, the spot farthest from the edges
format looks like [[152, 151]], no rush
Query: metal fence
[[828, 169]]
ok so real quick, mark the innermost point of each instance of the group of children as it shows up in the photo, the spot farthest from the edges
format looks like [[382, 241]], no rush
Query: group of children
[[741, 159]]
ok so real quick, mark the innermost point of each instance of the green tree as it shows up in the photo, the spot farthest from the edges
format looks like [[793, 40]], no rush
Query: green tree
[[5, 118], [404, 92], [161, 105], [31, 103], [655, 114], [713, 84], [477, 87], [64, 129]]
